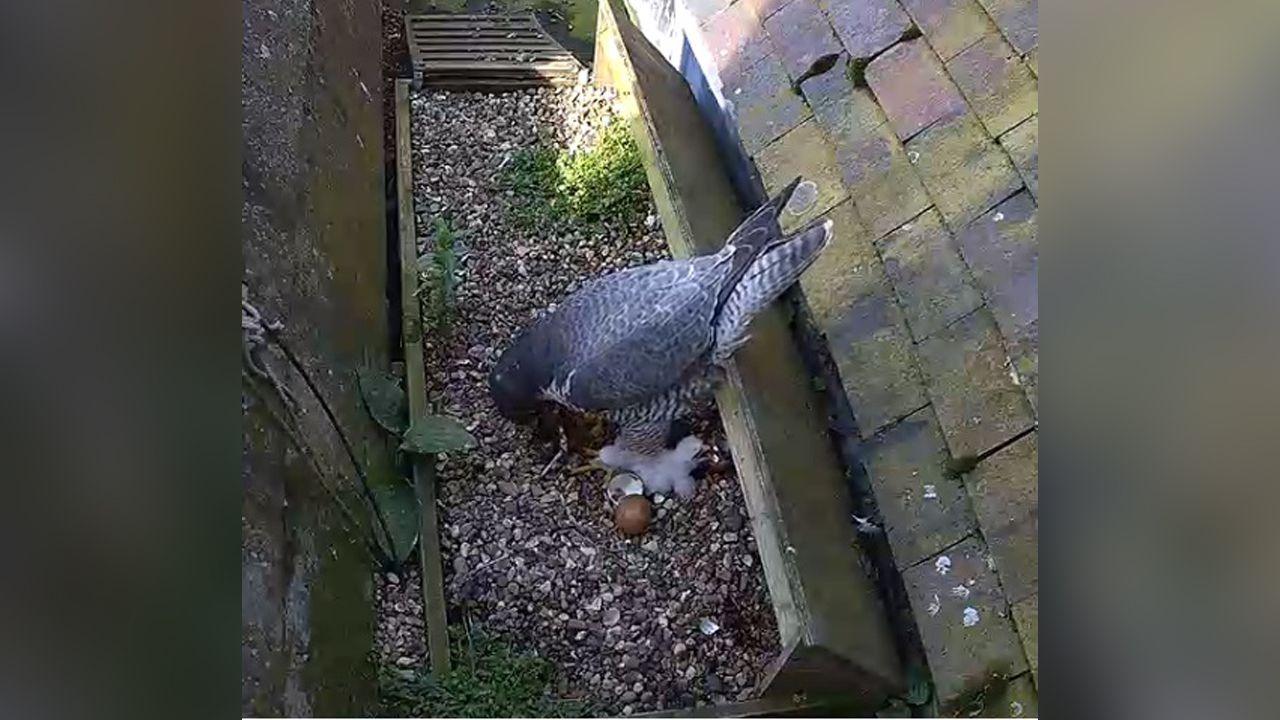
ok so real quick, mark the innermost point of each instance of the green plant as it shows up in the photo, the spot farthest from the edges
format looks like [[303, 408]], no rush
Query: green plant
[[490, 678], [434, 434], [857, 71], [438, 276], [603, 182], [395, 501]]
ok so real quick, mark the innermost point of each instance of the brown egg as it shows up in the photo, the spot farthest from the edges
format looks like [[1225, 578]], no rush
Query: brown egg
[[633, 514]]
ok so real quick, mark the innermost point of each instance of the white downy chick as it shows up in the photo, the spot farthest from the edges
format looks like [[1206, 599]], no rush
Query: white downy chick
[[664, 473]]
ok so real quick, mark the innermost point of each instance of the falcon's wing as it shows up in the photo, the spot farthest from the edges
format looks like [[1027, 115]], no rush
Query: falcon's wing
[[633, 334], [754, 236]]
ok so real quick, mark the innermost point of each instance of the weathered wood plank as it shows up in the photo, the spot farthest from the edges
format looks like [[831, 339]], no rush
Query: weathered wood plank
[[474, 84], [458, 35], [532, 66], [471, 20], [526, 45], [519, 56], [424, 474], [453, 52]]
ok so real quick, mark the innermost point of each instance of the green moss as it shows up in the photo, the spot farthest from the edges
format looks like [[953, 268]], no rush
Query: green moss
[[961, 465], [580, 16], [603, 183], [490, 679], [857, 71]]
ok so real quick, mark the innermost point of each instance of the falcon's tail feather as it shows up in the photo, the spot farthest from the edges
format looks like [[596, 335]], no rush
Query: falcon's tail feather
[[767, 278], [755, 235]]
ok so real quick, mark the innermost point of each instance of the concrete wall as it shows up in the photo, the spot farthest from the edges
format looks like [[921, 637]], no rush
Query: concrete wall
[[314, 244]]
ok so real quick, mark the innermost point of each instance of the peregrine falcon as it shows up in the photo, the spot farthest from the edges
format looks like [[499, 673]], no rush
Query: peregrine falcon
[[638, 346]]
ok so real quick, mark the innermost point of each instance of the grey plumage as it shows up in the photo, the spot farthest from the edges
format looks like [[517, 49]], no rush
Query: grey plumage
[[640, 344]]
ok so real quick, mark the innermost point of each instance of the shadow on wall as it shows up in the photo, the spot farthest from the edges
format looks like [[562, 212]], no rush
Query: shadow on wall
[[669, 25], [742, 175]]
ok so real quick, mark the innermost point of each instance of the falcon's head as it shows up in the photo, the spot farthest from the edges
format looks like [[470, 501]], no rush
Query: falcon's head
[[516, 382]]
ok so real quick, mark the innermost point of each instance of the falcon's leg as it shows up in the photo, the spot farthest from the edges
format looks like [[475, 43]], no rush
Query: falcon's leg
[[593, 461]]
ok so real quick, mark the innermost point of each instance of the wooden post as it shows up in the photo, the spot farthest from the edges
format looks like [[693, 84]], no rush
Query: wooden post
[[424, 471]]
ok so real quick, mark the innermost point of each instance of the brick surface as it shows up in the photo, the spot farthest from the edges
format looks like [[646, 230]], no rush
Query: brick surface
[[830, 85], [1001, 250], [928, 275], [848, 269], [882, 181], [764, 103], [912, 86], [847, 113], [1014, 699], [872, 350], [1000, 88], [703, 10], [965, 171], [1017, 20], [1005, 498], [950, 25], [735, 38], [871, 160], [924, 510], [800, 34], [867, 26], [1023, 145], [963, 657], [968, 376], [1024, 352], [1026, 617], [764, 8], [1017, 557], [804, 151]]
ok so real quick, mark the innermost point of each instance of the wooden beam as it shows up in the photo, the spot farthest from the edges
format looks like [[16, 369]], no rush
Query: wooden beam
[[424, 471]]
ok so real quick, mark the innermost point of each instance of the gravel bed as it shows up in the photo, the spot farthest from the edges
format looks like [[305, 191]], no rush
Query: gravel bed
[[400, 636], [538, 561]]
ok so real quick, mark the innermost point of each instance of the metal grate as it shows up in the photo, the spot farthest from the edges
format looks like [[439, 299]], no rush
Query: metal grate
[[486, 51]]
